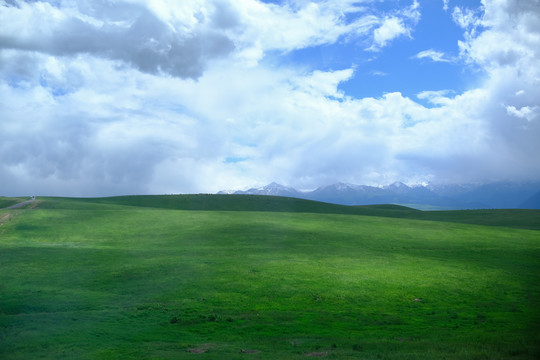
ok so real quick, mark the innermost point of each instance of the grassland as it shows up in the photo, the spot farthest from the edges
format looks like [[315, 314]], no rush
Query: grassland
[[202, 277], [5, 201]]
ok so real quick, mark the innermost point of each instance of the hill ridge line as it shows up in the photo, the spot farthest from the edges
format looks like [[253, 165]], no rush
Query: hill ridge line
[[513, 218]]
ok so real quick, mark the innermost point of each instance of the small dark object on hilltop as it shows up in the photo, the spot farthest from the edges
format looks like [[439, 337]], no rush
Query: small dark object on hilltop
[[174, 320]]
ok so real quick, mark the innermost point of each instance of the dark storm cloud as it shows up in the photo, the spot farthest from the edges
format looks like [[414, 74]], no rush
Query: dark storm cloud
[[131, 33]]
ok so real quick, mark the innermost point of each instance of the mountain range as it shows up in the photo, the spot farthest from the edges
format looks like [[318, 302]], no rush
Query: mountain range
[[500, 195]]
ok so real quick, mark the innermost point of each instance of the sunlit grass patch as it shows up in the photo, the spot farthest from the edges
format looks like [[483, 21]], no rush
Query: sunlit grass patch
[[90, 280]]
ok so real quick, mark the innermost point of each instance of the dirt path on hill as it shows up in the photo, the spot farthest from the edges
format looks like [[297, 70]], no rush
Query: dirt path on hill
[[21, 204]]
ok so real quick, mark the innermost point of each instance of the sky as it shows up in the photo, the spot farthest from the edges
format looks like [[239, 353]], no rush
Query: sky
[[111, 97]]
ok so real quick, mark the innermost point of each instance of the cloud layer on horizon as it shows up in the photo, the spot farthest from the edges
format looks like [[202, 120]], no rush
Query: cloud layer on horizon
[[104, 98]]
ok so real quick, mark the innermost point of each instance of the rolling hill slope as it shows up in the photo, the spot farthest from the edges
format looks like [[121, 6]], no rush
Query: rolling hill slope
[[203, 277], [518, 218]]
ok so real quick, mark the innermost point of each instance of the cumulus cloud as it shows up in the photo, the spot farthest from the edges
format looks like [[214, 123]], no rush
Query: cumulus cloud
[[128, 32], [393, 26], [166, 96], [98, 138], [324, 83], [509, 51], [180, 38], [390, 28], [526, 112], [438, 97]]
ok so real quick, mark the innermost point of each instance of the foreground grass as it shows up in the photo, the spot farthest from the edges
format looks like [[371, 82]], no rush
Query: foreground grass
[[98, 280]]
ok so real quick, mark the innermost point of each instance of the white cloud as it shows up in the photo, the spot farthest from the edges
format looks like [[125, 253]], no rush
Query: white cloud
[[506, 45], [511, 39], [128, 32], [324, 83], [438, 97], [269, 27], [467, 18], [390, 28], [393, 26], [445, 5], [434, 55], [378, 73], [87, 119], [182, 38], [526, 112]]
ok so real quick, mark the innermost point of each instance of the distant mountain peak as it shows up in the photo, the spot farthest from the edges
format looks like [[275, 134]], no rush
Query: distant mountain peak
[[275, 185], [340, 186], [273, 188], [426, 196], [398, 185]]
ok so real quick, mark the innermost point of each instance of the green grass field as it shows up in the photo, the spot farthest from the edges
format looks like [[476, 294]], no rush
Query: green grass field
[[204, 276], [5, 202]]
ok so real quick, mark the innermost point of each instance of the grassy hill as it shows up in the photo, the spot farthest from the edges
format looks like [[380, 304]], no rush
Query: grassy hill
[[517, 218], [204, 276], [5, 201]]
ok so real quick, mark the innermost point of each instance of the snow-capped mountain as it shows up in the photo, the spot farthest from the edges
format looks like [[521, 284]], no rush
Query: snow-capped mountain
[[346, 194], [274, 189], [459, 196]]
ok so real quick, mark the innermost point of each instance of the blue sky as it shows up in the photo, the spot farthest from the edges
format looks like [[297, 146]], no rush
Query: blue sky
[[397, 68], [160, 96]]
